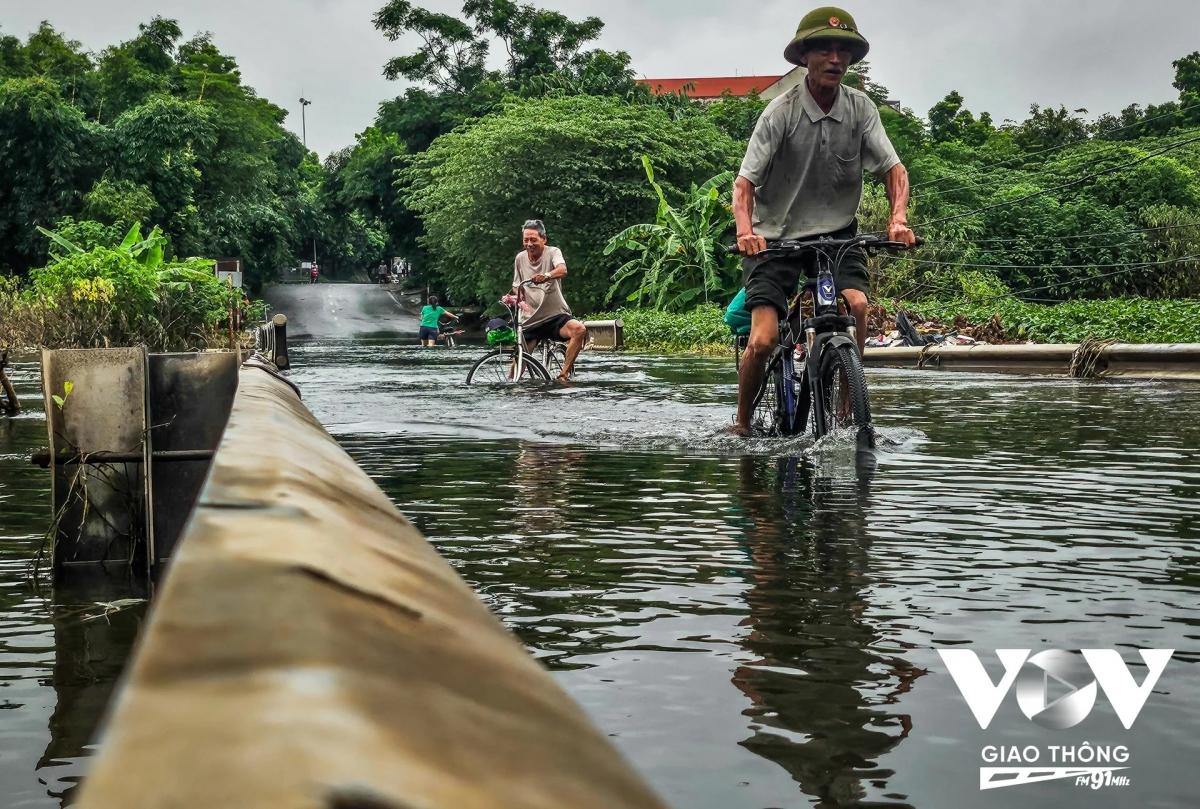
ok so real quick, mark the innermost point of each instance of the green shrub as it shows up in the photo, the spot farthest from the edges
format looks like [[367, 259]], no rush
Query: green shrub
[[699, 331], [1130, 320], [117, 296]]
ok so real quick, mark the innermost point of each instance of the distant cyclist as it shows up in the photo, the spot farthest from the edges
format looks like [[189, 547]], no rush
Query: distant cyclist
[[431, 319], [549, 317], [802, 179]]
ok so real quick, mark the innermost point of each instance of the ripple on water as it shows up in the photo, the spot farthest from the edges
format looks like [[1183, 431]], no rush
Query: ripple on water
[[756, 625]]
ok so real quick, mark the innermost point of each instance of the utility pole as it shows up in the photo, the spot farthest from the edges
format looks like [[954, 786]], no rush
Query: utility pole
[[303, 123]]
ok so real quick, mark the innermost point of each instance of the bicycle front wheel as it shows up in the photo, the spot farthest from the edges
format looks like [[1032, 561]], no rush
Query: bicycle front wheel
[[500, 367], [843, 401]]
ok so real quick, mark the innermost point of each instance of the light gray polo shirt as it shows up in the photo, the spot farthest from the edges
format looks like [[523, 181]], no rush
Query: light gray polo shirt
[[546, 300], [807, 166]]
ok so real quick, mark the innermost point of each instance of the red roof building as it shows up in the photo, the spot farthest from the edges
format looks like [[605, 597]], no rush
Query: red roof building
[[712, 88]]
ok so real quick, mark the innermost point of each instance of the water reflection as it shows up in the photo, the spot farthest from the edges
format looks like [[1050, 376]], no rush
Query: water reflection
[[815, 684], [95, 626]]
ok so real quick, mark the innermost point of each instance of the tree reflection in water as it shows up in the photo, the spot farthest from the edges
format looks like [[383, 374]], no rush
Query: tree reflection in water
[[818, 687]]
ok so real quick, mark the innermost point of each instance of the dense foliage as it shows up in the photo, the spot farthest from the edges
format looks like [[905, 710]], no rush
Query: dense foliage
[[1058, 207], [574, 162], [105, 294], [1129, 320], [156, 130], [680, 262], [700, 330]]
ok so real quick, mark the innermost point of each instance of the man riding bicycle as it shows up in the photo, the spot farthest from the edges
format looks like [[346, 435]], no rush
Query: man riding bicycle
[[802, 179], [549, 317]]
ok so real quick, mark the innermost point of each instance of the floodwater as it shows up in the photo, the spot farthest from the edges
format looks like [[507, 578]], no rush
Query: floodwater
[[753, 625]]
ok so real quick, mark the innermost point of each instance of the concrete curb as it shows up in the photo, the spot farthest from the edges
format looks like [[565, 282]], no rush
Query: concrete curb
[[311, 649], [1166, 361]]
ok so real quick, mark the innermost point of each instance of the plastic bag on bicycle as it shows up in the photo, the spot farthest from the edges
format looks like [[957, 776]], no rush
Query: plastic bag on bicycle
[[499, 332]]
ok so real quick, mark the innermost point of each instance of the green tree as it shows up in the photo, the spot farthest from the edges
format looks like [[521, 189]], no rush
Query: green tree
[[48, 161], [859, 77], [1187, 82], [573, 162], [1050, 128], [736, 116], [950, 121]]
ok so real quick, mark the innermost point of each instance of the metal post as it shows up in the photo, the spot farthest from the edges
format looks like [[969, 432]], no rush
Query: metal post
[[280, 352], [303, 121], [11, 404]]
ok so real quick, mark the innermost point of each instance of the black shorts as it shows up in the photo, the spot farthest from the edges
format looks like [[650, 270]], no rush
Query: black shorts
[[773, 282], [549, 329], [428, 333]]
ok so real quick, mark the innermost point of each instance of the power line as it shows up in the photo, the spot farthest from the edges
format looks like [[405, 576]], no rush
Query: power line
[[1092, 176], [1027, 155], [1055, 238], [1068, 283], [1086, 235], [996, 180], [1038, 266]]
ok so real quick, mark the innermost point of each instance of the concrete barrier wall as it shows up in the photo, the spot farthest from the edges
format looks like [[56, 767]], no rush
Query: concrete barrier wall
[[310, 649], [1179, 361]]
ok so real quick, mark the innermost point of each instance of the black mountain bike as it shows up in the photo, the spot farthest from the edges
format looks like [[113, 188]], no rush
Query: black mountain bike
[[814, 375]]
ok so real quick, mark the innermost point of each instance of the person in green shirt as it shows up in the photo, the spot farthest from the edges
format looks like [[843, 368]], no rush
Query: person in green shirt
[[431, 317]]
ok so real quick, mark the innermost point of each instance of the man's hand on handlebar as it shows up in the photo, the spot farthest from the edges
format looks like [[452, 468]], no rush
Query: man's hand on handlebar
[[901, 232], [541, 279], [751, 244]]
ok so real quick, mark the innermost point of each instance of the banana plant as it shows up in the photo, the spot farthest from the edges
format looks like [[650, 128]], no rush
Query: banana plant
[[679, 256], [148, 251]]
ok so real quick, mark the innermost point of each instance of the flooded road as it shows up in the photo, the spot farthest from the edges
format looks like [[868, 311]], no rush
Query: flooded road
[[753, 625]]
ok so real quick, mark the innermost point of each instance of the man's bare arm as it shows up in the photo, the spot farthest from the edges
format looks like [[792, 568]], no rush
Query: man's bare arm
[[896, 183], [743, 216], [559, 271]]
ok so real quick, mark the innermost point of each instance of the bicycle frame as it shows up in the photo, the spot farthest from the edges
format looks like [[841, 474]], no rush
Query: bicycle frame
[[825, 329], [519, 349]]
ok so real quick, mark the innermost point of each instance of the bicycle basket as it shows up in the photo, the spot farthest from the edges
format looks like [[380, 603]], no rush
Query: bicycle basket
[[501, 336]]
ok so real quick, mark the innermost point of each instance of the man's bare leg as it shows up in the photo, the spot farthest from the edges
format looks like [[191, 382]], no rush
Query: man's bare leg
[[764, 334], [574, 333], [858, 309]]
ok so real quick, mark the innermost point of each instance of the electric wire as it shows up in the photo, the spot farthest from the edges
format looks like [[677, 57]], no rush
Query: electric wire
[[1066, 283], [997, 240], [1044, 191], [1067, 162]]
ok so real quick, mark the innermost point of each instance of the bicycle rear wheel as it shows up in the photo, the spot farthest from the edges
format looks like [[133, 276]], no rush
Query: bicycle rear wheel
[[554, 357], [499, 368], [843, 401]]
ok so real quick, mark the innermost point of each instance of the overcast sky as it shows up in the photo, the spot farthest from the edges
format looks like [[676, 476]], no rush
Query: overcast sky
[[1002, 55]]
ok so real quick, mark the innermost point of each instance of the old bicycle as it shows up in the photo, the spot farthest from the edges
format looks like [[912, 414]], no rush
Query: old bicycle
[[511, 360]]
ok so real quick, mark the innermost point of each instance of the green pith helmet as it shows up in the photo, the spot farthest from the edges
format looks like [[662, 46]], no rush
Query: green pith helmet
[[828, 22]]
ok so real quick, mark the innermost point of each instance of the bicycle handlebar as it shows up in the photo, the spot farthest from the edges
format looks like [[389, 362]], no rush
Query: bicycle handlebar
[[866, 241]]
